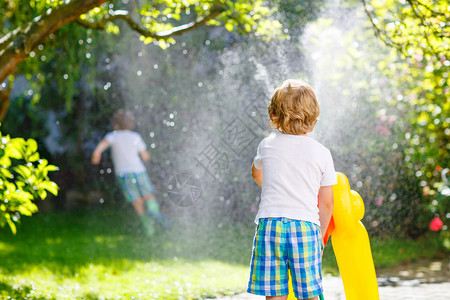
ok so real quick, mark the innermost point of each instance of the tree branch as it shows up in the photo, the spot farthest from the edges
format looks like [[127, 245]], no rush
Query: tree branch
[[5, 100], [425, 26], [125, 15], [379, 33], [438, 13], [8, 38], [16, 46]]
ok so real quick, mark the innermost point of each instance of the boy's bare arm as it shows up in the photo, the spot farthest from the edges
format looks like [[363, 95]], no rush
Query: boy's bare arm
[[97, 154], [145, 155], [257, 174], [326, 203]]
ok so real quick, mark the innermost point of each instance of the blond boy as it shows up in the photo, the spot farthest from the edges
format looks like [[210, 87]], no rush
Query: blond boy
[[129, 153], [295, 172]]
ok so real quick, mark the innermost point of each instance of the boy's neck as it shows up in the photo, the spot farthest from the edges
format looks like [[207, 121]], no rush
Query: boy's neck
[[301, 134]]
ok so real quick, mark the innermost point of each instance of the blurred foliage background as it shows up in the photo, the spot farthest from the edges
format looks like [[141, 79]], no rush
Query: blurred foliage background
[[380, 69]]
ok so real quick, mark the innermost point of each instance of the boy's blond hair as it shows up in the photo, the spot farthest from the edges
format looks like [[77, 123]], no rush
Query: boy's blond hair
[[294, 108], [124, 120]]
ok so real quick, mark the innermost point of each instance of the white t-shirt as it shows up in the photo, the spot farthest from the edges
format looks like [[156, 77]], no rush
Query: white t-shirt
[[125, 148], [294, 168]]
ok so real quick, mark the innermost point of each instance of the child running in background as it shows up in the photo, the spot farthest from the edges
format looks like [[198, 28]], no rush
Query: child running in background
[[295, 172], [129, 153]]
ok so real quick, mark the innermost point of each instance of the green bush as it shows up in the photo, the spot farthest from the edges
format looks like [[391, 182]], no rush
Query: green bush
[[23, 179]]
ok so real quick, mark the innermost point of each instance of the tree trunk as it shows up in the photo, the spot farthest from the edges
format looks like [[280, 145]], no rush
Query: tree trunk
[[17, 45], [4, 98]]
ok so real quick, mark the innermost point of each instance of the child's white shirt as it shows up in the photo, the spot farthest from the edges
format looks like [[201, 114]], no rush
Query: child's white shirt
[[125, 148], [294, 168]]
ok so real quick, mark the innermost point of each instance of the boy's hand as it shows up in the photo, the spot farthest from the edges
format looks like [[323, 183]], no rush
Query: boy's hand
[[326, 203], [97, 154], [145, 155], [257, 175], [96, 158]]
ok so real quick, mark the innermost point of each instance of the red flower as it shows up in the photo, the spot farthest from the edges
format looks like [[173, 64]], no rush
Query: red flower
[[436, 224]]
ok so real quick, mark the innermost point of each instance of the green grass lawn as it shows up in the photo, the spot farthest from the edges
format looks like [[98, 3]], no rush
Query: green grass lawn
[[105, 255]]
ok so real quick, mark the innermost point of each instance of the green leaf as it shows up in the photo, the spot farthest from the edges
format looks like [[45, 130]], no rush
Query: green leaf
[[229, 26], [24, 171], [51, 168], [22, 196], [32, 146], [42, 194], [6, 173], [50, 186], [14, 151], [11, 224], [34, 157]]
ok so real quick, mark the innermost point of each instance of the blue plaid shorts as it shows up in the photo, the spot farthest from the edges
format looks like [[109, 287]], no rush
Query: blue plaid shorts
[[135, 185], [282, 244]]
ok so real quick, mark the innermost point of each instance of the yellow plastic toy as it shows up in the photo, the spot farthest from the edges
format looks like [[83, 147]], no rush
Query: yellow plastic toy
[[350, 244]]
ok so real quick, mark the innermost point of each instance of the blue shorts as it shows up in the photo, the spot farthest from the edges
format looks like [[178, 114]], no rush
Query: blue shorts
[[135, 185], [283, 244]]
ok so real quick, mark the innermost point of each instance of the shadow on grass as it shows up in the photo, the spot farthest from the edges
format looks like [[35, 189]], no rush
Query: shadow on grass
[[8, 291], [22, 292], [64, 242]]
